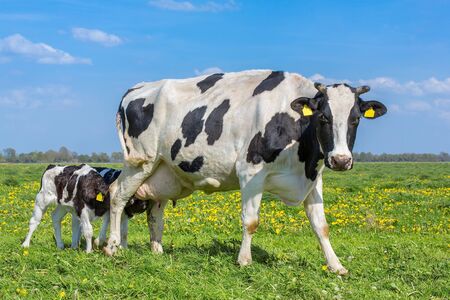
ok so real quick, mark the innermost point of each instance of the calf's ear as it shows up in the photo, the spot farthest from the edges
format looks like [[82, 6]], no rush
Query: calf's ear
[[372, 109], [305, 106]]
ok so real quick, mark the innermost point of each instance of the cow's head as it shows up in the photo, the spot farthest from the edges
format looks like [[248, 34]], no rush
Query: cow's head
[[335, 112]]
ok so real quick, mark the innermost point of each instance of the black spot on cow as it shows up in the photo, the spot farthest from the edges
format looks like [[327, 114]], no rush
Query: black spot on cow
[[192, 167], [192, 124], [309, 149], [62, 179], [214, 122], [209, 82], [279, 132], [136, 206], [271, 82], [175, 149], [129, 91], [139, 116]]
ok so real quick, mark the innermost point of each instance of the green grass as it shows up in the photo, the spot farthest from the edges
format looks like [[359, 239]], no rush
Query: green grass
[[389, 225]]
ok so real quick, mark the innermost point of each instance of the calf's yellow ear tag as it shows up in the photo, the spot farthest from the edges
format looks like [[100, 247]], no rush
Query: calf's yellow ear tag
[[306, 110], [370, 113], [99, 197]]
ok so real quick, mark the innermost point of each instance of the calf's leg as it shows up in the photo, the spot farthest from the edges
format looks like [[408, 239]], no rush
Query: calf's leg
[[316, 215], [100, 240], [86, 228], [57, 216], [76, 231], [40, 206], [155, 222]]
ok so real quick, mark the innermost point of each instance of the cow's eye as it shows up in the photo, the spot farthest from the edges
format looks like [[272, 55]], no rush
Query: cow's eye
[[323, 119]]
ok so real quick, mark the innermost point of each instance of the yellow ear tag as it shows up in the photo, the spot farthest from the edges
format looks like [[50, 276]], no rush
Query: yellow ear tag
[[370, 113], [99, 197], [306, 111]]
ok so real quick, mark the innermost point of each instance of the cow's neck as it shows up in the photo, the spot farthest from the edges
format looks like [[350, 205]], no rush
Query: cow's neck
[[309, 148]]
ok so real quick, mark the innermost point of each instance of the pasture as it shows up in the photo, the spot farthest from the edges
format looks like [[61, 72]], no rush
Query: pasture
[[389, 225]]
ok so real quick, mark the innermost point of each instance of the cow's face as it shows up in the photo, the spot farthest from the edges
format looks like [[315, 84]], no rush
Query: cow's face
[[335, 112]]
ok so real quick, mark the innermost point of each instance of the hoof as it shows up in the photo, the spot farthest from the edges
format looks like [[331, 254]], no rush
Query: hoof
[[339, 270], [25, 245], [156, 247], [98, 243], [244, 261], [109, 250]]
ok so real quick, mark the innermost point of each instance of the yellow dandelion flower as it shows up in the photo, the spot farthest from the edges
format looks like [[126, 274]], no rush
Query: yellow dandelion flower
[[22, 292], [25, 252], [324, 267], [62, 294]]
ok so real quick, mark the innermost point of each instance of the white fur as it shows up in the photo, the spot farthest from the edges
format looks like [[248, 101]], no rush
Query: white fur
[[341, 101]]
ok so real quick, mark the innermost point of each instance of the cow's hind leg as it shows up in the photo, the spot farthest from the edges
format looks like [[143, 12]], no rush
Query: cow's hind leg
[[57, 216], [251, 190], [155, 221], [316, 215], [122, 190], [40, 207]]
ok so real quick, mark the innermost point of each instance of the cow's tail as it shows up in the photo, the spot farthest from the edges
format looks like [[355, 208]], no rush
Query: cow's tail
[[121, 137]]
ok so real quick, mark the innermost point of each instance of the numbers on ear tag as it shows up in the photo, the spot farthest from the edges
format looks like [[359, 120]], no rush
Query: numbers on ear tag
[[99, 197], [306, 110], [370, 113]]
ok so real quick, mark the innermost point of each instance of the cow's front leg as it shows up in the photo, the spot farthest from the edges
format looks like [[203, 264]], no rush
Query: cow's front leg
[[251, 200], [100, 240], [316, 215], [121, 191], [155, 221]]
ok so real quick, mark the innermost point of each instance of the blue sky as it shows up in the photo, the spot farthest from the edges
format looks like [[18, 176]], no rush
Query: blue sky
[[64, 65]]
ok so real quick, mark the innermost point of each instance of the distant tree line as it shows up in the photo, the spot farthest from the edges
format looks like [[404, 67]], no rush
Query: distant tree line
[[64, 155]]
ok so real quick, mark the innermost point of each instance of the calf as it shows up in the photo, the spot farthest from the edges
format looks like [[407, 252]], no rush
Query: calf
[[82, 191]]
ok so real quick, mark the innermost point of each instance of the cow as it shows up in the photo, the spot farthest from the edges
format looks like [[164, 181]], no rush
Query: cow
[[256, 131], [84, 192]]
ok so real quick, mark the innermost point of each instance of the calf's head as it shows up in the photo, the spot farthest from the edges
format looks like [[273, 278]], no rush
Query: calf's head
[[335, 112]]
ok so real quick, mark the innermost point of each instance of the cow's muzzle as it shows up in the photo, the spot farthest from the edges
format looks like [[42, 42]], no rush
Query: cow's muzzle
[[340, 162]]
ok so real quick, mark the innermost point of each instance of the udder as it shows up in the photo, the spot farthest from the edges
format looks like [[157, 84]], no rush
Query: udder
[[162, 185]]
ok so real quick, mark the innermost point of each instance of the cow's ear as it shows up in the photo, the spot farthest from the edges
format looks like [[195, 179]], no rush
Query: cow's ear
[[372, 109], [305, 106]]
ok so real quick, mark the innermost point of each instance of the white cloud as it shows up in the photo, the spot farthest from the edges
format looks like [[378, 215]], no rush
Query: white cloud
[[208, 71], [188, 6], [49, 96], [326, 80], [417, 88], [96, 36], [40, 52]]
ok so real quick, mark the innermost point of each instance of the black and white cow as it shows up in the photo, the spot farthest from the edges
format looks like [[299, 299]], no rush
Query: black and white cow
[[84, 192], [255, 131]]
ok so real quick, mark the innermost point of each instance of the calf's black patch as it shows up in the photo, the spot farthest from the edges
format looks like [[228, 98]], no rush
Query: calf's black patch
[[88, 187], [209, 82], [279, 132], [214, 122], [175, 149], [192, 124], [192, 167], [271, 82], [62, 179], [135, 206], [139, 116]]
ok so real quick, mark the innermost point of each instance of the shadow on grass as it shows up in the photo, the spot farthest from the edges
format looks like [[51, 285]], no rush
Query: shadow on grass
[[215, 248]]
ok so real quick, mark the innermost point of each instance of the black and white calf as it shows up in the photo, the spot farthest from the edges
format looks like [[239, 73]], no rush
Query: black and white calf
[[255, 131], [84, 192]]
